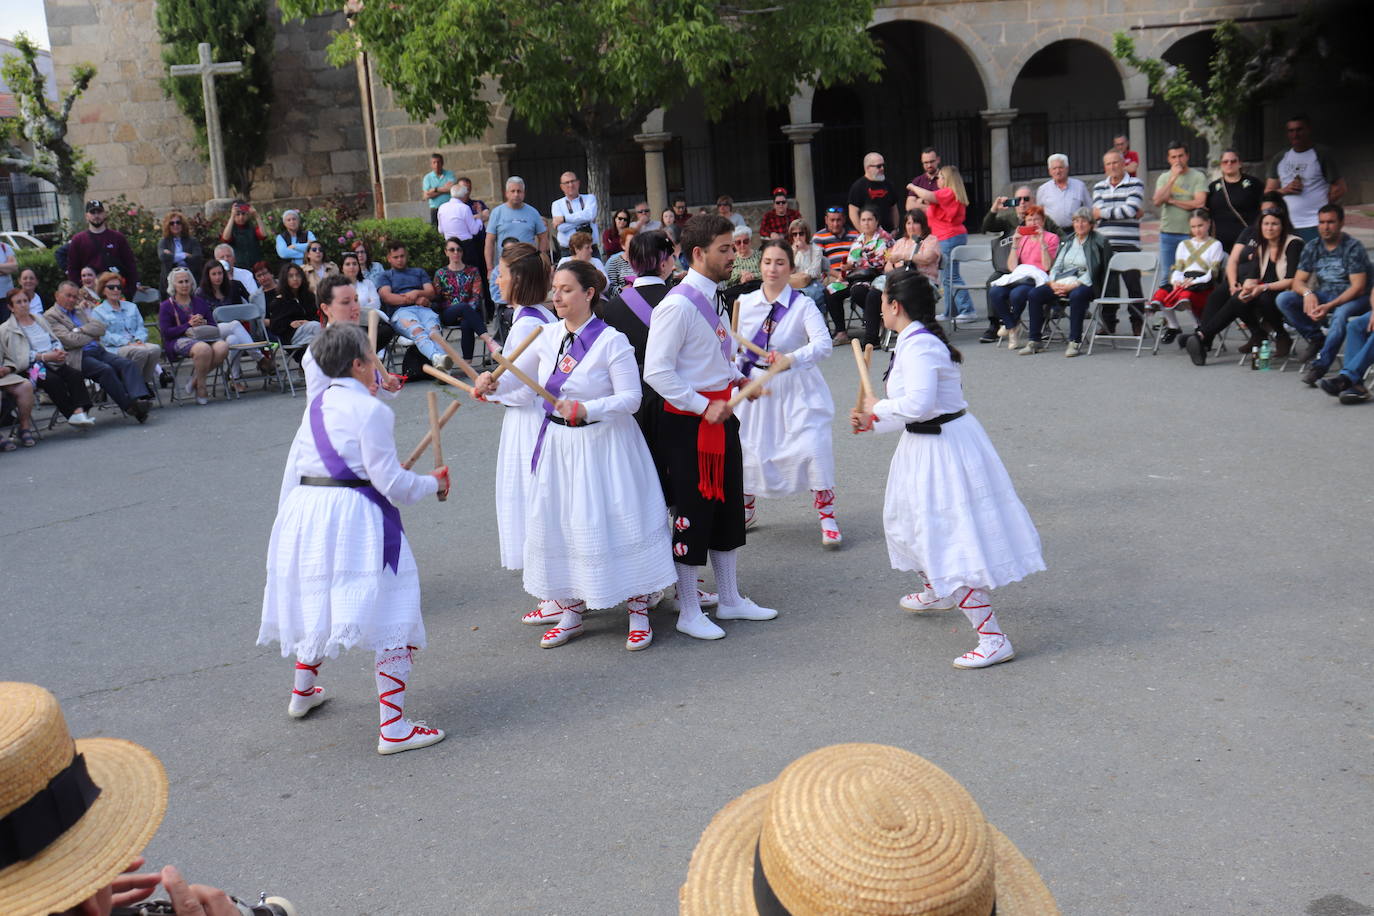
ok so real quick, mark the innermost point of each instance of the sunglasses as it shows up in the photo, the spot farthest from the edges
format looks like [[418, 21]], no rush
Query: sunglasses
[[834, 209], [797, 235], [174, 222], [453, 250], [622, 219], [641, 211], [114, 286]]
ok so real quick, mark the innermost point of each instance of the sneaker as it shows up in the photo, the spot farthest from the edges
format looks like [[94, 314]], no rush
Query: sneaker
[[420, 736], [700, 627], [441, 361], [1031, 348], [1313, 374], [655, 599], [1313, 348], [967, 315], [1357, 393], [300, 705], [1334, 385], [1196, 351], [992, 650], [81, 419], [1073, 349], [989, 336], [745, 610], [927, 600], [706, 600], [559, 635]]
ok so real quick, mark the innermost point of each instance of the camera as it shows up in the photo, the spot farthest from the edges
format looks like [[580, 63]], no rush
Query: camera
[[266, 906], [584, 227], [1014, 202]]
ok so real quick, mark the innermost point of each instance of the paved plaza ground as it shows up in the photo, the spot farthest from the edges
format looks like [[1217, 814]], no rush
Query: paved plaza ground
[[1186, 727]]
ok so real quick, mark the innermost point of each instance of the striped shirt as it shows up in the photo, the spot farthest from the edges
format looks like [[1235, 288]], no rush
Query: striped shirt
[[1120, 208], [836, 247]]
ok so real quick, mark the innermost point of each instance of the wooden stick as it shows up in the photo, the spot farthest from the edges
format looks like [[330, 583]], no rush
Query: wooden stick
[[424, 443], [443, 376], [453, 354], [748, 344], [524, 345], [520, 374], [782, 365], [865, 386], [374, 318], [734, 319], [434, 428]]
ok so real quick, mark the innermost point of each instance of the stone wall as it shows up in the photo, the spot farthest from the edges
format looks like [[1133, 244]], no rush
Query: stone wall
[[144, 146]]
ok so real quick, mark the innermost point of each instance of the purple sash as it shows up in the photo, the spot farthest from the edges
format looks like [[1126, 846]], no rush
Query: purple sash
[[761, 339], [638, 304], [708, 311], [532, 312], [339, 470], [562, 369]]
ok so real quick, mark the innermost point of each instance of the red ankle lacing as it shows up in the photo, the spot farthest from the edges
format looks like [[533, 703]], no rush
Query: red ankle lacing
[[382, 698], [313, 669], [825, 499]]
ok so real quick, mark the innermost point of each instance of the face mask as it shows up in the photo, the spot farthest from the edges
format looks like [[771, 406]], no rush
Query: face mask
[[461, 191]]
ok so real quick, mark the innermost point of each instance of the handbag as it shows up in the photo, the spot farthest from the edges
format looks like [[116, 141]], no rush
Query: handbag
[[204, 332], [862, 275]]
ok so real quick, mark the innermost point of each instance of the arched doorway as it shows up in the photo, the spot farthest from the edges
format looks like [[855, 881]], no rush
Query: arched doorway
[[1066, 100], [541, 158], [1193, 53], [743, 153]]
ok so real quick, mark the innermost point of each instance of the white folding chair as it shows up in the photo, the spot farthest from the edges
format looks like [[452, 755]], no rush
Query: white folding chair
[[1124, 262], [966, 254], [254, 314]]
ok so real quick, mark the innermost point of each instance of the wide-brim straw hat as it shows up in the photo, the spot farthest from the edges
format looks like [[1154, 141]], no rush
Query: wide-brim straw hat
[[859, 829], [35, 747]]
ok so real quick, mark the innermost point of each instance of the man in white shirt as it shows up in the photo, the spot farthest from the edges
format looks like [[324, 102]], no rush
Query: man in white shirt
[[688, 361], [642, 221], [1062, 195], [457, 221], [224, 253], [573, 212], [1307, 176]]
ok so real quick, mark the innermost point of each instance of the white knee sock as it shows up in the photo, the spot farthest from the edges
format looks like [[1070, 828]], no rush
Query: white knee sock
[[393, 672], [977, 607], [688, 601], [306, 672], [723, 563], [1170, 317], [639, 612]]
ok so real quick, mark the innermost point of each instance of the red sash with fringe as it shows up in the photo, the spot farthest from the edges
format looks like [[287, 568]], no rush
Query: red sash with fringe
[[710, 447]]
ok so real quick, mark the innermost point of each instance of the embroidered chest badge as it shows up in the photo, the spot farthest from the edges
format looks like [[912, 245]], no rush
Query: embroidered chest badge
[[567, 364], [720, 334], [768, 326]]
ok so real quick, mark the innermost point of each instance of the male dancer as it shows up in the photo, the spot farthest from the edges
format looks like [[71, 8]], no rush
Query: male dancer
[[687, 361]]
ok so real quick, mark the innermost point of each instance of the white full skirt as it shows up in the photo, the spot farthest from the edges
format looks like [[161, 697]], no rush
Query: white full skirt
[[519, 430], [786, 436], [951, 510], [326, 587], [596, 528]]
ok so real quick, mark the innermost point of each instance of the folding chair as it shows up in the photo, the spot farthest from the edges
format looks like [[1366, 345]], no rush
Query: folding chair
[[254, 314], [1124, 262], [966, 254]]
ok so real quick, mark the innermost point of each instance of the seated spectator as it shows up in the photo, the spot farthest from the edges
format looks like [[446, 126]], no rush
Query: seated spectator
[[352, 269], [946, 209], [459, 289], [315, 266], [668, 218], [1330, 285], [217, 288], [1195, 269], [1076, 279], [1268, 253], [87, 293], [1233, 200], [291, 314], [835, 240], [125, 334], [408, 297], [27, 280], [293, 238], [1348, 384], [179, 248], [1062, 195], [744, 276], [776, 221], [1002, 221], [618, 268], [610, 237], [1034, 247], [865, 263], [373, 270], [810, 263], [30, 356], [642, 218], [224, 253], [725, 206], [262, 275], [580, 249], [80, 332], [103, 799], [188, 329], [918, 249]]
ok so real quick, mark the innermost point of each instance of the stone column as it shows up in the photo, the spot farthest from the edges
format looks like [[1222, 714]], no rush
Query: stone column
[[655, 173], [998, 120], [504, 153], [801, 135], [1135, 111]]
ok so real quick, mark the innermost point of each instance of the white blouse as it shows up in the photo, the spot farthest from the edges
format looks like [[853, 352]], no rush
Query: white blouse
[[605, 380], [1211, 256], [368, 297], [801, 334], [924, 382], [683, 355]]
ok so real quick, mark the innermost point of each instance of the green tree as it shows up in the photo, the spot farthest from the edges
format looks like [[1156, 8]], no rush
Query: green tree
[[235, 30], [595, 70], [1239, 75], [53, 158]]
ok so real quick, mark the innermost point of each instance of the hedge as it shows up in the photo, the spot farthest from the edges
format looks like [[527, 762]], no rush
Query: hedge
[[424, 247], [43, 261]]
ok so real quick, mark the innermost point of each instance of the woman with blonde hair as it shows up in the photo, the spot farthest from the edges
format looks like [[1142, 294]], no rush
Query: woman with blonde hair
[[946, 208], [178, 247], [125, 334]]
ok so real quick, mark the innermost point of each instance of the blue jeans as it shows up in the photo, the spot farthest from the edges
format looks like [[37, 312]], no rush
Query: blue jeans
[[1168, 250], [415, 322], [1042, 299], [1359, 348], [1008, 302], [949, 275], [1290, 304], [816, 293], [469, 319]]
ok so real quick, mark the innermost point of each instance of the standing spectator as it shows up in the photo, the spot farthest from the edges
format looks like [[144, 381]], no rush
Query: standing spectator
[[436, 185], [125, 334], [225, 254], [100, 248], [1062, 195], [865, 262], [457, 219], [946, 209], [809, 264], [9, 266], [874, 190], [928, 179], [1117, 201], [409, 297], [611, 242], [1130, 158], [1307, 176], [725, 206], [178, 247], [835, 240], [1075, 281], [316, 267], [580, 249], [1233, 200], [1332, 280], [293, 238], [643, 221], [513, 219], [680, 212], [1035, 246], [243, 231], [744, 276], [459, 288], [474, 246], [367, 290], [1178, 192], [775, 222], [573, 212], [188, 330], [29, 351], [80, 332]]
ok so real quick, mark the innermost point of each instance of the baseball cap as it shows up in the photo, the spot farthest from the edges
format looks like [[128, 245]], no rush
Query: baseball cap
[[93, 205]]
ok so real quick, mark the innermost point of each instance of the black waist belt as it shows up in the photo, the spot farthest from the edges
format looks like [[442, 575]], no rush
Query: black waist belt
[[562, 421], [932, 426], [333, 482]]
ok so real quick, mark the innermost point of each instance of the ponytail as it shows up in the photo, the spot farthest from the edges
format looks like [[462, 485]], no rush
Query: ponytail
[[913, 292]]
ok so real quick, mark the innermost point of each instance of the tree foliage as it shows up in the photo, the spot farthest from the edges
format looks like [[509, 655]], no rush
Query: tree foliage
[[235, 30], [53, 159], [595, 70]]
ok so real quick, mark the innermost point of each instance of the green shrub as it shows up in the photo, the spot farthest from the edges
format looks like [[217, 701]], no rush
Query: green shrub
[[43, 261], [423, 244]]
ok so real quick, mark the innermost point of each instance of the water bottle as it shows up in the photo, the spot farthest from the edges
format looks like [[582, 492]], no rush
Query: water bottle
[[1265, 352]]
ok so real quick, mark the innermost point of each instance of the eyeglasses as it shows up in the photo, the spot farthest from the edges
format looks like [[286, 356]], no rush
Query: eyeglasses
[[453, 250], [797, 235], [642, 211], [876, 165]]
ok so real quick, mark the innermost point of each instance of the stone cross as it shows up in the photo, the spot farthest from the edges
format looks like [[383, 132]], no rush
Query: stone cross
[[207, 72]]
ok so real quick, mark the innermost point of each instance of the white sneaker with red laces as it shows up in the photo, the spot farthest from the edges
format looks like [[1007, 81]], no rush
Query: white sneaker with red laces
[[419, 736], [559, 635], [927, 600], [992, 650], [300, 705], [545, 612]]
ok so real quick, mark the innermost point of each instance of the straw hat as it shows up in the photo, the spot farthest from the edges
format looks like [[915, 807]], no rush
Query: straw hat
[[40, 767], [859, 829]]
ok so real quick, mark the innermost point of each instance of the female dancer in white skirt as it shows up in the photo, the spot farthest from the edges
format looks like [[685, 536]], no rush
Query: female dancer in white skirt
[[786, 437], [340, 572], [595, 530], [950, 513], [524, 283]]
